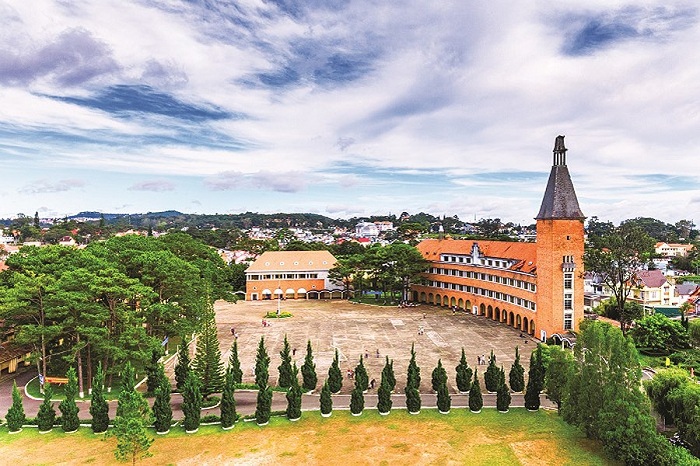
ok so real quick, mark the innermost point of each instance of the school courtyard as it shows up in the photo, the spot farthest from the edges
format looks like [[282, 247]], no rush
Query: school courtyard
[[358, 329]]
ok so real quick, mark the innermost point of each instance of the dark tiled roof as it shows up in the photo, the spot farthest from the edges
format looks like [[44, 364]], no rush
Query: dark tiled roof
[[560, 200]]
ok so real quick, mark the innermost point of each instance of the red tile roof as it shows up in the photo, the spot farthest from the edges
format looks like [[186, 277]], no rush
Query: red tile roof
[[524, 253]]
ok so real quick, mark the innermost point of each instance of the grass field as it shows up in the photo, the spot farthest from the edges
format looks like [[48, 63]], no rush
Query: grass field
[[489, 438]]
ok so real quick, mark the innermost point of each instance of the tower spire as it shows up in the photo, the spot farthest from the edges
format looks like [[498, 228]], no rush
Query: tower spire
[[560, 200], [559, 152]]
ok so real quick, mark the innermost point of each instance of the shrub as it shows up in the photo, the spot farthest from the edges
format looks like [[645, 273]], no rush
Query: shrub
[[357, 401], [210, 418], [46, 417], [439, 376], [384, 402], [516, 377], [476, 400], [491, 375], [15, 415], [335, 378], [308, 370], [413, 401], [444, 401], [464, 374], [326, 400]]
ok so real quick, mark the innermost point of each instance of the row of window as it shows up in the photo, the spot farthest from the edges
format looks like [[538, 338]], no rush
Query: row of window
[[468, 260], [506, 298], [282, 276], [523, 285]]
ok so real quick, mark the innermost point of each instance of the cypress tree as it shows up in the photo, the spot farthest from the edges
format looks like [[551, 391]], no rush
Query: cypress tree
[[357, 400], [444, 401], [464, 374], [384, 396], [476, 401], [152, 374], [128, 389], [326, 399], [228, 400], [69, 410], [46, 416], [15, 415], [262, 365], [285, 369], [413, 401], [182, 368], [234, 364], [361, 377], [264, 406], [503, 397], [491, 375], [537, 371], [388, 374], [294, 396], [532, 395], [308, 370], [191, 403], [413, 373], [517, 373], [162, 410], [207, 362], [99, 410], [335, 378], [439, 376]]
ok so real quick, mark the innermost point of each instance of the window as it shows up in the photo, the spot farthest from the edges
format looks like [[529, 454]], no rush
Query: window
[[568, 281], [568, 301], [568, 321]]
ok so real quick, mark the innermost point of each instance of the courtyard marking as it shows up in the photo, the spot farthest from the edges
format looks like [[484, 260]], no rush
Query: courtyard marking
[[396, 322], [437, 339]]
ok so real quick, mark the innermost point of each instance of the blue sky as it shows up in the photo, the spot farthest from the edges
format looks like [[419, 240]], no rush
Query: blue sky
[[348, 108]]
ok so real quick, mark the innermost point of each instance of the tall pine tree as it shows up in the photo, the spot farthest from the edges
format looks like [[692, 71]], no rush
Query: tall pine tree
[[516, 377], [388, 374], [444, 401], [413, 372], [384, 402], [439, 376], [285, 368], [162, 410], [69, 410], [308, 370], [191, 403], [46, 416], [263, 408], [228, 401], [476, 400], [294, 396], [132, 421], [361, 377], [99, 410], [152, 380], [326, 400], [207, 362], [491, 374], [503, 397]]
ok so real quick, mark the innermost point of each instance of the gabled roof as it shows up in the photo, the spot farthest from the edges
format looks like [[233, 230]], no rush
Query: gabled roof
[[651, 278], [686, 288], [559, 200], [292, 261], [525, 254]]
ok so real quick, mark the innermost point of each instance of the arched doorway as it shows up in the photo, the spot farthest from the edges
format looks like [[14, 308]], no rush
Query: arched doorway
[[431, 298], [445, 300], [511, 319], [518, 321], [438, 300], [422, 297], [489, 312], [482, 309], [526, 325], [453, 301]]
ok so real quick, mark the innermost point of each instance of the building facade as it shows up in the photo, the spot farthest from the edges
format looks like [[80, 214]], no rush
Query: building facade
[[292, 275], [534, 287]]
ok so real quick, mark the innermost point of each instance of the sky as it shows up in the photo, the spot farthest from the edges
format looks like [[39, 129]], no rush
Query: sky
[[348, 107]]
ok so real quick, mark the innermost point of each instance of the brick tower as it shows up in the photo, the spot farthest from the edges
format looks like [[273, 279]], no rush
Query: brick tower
[[559, 252]]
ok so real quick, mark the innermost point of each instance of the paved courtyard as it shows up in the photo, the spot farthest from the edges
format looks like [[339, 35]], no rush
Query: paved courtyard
[[357, 329]]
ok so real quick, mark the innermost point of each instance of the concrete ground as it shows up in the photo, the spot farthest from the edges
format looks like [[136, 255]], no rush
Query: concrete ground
[[357, 329]]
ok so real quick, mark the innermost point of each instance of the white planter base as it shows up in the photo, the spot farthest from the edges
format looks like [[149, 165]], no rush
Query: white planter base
[[71, 432], [533, 410], [503, 412], [417, 412], [326, 414], [263, 424], [192, 431], [475, 412], [357, 414], [295, 419], [15, 432], [229, 427], [163, 433], [42, 432], [384, 414], [444, 412]]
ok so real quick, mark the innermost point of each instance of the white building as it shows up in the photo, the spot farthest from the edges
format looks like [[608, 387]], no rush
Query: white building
[[366, 230], [6, 239]]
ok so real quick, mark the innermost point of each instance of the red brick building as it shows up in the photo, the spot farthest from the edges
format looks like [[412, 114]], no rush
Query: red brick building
[[534, 287]]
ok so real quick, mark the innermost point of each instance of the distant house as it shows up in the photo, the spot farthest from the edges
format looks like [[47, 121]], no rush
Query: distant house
[[672, 249], [6, 239], [652, 288], [67, 241], [366, 229], [292, 275]]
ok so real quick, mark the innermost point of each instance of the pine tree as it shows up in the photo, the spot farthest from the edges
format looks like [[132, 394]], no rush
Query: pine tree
[[264, 406], [191, 402], [69, 410], [152, 380], [99, 410], [464, 374], [439, 376], [15, 415], [388, 374], [532, 395], [162, 410], [326, 399], [132, 421], [228, 400], [357, 400], [308, 370], [294, 396], [384, 396], [182, 368], [285, 369], [234, 364], [476, 401], [444, 401], [413, 373], [207, 362], [46, 417], [361, 377], [413, 401], [491, 375], [335, 378], [537, 371], [262, 365], [516, 375], [503, 397]]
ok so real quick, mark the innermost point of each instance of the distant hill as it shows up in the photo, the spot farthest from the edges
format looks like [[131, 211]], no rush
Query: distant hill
[[97, 215]]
